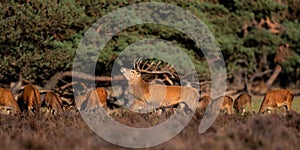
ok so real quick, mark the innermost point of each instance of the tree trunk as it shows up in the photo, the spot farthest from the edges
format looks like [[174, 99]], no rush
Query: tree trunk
[[274, 76], [237, 81]]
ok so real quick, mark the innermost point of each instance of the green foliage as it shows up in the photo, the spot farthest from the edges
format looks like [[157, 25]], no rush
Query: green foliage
[[39, 38], [292, 32], [261, 8], [265, 41]]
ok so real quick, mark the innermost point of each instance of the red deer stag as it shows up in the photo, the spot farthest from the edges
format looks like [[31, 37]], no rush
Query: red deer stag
[[53, 103], [30, 99], [275, 99], [8, 104], [241, 102], [156, 95]]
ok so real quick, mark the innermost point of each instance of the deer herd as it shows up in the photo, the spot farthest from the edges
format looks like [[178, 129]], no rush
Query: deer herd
[[146, 95]]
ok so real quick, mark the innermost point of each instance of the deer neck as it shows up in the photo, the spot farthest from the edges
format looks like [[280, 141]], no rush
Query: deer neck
[[139, 88]]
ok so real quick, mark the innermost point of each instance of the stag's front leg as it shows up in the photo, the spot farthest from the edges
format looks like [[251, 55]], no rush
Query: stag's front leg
[[183, 108], [138, 105]]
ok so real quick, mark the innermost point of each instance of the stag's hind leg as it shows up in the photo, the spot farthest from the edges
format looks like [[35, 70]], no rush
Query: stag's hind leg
[[290, 101], [289, 106], [227, 109], [250, 108], [262, 109], [243, 111], [230, 111], [30, 110]]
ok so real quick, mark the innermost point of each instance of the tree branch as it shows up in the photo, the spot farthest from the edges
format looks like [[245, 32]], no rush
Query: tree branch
[[260, 74], [54, 80]]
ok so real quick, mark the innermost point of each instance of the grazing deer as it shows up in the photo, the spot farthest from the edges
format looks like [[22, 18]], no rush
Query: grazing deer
[[157, 95], [227, 103], [79, 100], [203, 102], [97, 97], [241, 102], [53, 103], [30, 99], [8, 104], [275, 99]]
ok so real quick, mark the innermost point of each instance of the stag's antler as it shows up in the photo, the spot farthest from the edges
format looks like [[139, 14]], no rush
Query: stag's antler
[[167, 71], [153, 68]]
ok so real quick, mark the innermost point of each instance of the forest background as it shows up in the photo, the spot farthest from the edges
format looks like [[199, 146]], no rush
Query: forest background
[[259, 39]]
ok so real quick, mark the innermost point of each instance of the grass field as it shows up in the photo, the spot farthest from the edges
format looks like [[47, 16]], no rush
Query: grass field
[[68, 131], [256, 102]]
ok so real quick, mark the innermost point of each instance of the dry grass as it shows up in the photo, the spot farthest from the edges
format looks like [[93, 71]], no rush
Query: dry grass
[[69, 131]]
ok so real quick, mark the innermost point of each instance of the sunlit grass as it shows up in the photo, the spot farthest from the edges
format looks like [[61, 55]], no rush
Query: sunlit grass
[[256, 102]]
